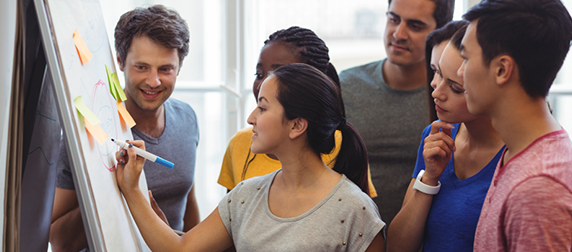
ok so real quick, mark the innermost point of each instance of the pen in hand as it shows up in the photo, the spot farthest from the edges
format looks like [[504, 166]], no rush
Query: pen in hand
[[147, 155]]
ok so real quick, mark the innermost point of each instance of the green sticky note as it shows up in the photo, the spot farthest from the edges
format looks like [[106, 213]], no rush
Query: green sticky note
[[110, 80], [85, 111], [118, 89]]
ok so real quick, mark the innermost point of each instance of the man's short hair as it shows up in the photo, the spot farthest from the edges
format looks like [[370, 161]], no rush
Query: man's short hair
[[443, 12], [535, 33], [163, 26]]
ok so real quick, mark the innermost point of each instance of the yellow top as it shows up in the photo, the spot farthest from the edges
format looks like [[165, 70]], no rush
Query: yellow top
[[239, 163]]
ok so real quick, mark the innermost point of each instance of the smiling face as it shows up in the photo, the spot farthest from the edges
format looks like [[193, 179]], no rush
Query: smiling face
[[479, 79], [449, 93], [408, 24], [270, 126], [271, 57], [150, 73]]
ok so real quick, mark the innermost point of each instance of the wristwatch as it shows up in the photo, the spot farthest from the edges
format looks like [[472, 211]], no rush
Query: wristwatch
[[424, 188]]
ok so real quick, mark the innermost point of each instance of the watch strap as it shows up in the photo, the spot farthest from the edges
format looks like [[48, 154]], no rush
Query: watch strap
[[424, 188]]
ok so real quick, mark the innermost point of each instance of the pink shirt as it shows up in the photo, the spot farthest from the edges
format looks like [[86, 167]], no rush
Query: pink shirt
[[529, 204]]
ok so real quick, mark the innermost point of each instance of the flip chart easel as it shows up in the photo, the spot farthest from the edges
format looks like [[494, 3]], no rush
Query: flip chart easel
[[107, 220]]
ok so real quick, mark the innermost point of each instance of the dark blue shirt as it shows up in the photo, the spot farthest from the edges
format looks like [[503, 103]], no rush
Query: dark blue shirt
[[455, 210]]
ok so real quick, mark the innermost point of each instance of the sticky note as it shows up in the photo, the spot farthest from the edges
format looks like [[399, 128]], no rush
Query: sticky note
[[125, 115], [82, 50], [85, 111], [114, 86], [96, 131], [118, 88]]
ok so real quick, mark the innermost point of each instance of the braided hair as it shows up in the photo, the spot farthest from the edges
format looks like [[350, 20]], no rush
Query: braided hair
[[312, 49]]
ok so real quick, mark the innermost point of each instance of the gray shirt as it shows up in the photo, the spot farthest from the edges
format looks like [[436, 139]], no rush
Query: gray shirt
[[390, 121], [345, 220], [178, 144]]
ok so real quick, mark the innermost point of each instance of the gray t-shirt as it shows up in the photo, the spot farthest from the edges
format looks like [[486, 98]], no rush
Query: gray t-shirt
[[178, 144], [345, 220], [390, 121]]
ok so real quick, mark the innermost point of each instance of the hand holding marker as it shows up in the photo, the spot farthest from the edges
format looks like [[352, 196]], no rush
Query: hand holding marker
[[145, 154]]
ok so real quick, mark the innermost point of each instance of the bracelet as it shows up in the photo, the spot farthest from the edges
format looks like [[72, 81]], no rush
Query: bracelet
[[424, 188]]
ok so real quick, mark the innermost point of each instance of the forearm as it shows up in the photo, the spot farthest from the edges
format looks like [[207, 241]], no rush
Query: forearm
[[157, 234], [192, 216], [67, 232], [407, 228]]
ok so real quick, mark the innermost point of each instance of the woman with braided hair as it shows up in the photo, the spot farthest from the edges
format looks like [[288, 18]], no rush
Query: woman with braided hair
[[305, 205], [292, 45]]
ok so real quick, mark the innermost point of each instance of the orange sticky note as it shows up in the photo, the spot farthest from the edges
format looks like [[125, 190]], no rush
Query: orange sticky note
[[96, 131], [125, 115], [82, 50]]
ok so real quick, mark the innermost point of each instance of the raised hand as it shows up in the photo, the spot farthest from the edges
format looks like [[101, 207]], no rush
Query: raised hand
[[437, 151]]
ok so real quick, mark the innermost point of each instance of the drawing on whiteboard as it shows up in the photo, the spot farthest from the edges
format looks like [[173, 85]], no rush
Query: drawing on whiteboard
[[43, 154], [91, 32], [45, 116], [104, 110]]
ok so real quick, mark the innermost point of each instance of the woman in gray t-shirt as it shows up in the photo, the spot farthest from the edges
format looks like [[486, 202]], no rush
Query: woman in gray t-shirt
[[305, 206]]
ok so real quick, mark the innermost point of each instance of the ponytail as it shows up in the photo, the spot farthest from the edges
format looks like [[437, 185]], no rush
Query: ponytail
[[333, 74], [352, 158], [305, 92]]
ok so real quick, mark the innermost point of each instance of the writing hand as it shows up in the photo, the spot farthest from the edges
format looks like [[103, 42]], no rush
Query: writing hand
[[129, 167]]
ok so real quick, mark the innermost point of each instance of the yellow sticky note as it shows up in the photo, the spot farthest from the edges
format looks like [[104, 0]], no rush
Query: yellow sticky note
[[85, 111], [125, 115], [95, 131], [82, 50], [118, 88], [112, 87]]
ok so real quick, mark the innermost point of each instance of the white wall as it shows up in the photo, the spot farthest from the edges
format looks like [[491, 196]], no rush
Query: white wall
[[7, 29]]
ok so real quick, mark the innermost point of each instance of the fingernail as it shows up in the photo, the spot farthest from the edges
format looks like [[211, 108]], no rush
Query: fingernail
[[122, 162], [130, 145], [126, 140], [121, 154]]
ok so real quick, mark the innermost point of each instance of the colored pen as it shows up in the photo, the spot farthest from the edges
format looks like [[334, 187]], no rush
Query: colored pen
[[145, 154]]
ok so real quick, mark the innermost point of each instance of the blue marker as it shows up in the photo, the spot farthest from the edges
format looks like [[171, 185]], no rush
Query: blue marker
[[145, 154]]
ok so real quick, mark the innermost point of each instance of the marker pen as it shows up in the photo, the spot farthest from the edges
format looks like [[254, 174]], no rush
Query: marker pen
[[145, 154]]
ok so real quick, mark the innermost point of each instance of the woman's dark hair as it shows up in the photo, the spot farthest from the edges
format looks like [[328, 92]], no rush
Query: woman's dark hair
[[312, 50], [434, 38], [458, 37], [305, 92], [163, 26]]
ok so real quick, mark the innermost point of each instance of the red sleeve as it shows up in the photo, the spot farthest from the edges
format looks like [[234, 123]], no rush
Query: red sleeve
[[538, 216]]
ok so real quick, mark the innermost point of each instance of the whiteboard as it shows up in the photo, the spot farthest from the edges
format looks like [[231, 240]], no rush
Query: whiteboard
[[108, 222]]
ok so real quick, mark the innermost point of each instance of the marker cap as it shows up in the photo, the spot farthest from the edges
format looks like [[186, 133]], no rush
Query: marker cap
[[164, 162]]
